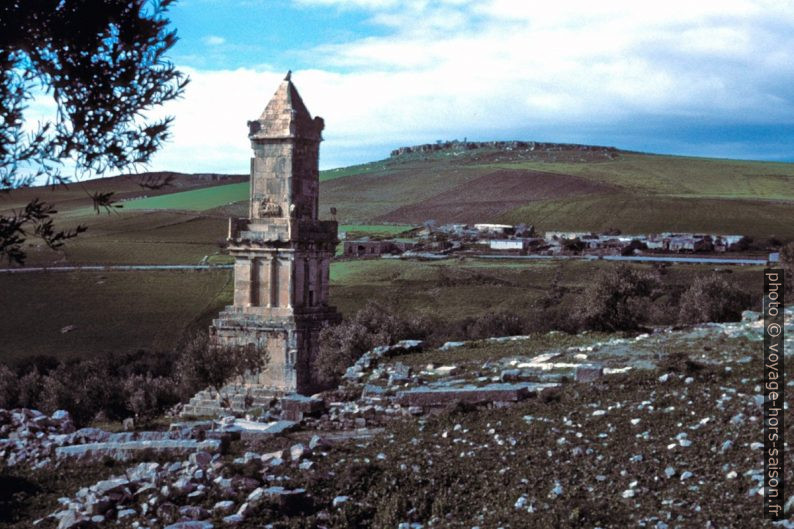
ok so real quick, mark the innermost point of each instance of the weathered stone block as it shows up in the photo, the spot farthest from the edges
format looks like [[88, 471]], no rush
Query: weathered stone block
[[589, 372], [432, 397], [295, 407]]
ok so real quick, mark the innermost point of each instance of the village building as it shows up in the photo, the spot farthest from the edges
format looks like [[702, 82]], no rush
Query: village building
[[494, 229], [569, 235], [282, 251], [375, 248], [520, 244]]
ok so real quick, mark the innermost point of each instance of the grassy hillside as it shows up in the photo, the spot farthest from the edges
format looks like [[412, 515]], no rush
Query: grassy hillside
[[632, 192], [565, 189], [653, 214], [124, 187], [196, 199], [112, 312], [121, 312]]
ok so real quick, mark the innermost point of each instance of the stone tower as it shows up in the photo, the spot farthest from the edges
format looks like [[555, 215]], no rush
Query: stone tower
[[282, 251]]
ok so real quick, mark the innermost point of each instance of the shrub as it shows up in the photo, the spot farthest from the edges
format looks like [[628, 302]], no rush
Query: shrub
[[9, 388], [145, 396], [573, 245], [492, 324], [85, 389], [29, 388], [202, 363], [712, 298], [341, 345], [616, 300]]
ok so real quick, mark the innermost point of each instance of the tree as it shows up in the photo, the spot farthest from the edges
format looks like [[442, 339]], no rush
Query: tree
[[714, 299], [103, 64], [616, 300], [203, 363], [341, 345]]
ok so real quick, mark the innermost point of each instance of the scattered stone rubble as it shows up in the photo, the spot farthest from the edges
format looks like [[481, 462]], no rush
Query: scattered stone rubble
[[31, 438], [203, 488], [176, 495]]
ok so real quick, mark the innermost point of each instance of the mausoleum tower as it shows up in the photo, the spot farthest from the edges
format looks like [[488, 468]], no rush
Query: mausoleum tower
[[282, 251]]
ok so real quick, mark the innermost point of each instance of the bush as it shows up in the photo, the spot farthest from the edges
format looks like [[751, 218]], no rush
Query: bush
[[84, 389], [9, 388], [490, 324], [341, 345], [202, 363], [617, 300], [146, 396], [112, 387], [29, 388], [712, 298]]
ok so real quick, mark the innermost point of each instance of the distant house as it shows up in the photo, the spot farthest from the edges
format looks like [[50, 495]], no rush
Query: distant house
[[724, 243], [508, 244], [569, 235], [362, 248], [494, 229], [370, 248], [681, 244], [730, 240], [690, 244]]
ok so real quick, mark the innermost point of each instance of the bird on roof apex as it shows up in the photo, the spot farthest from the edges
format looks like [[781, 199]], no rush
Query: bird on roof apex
[[289, 75]]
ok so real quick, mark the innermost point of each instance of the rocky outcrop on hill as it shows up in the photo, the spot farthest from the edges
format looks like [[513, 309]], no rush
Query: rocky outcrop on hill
[[531, 146]]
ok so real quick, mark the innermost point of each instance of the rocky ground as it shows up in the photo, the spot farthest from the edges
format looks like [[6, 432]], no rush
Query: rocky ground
[[656, 430]]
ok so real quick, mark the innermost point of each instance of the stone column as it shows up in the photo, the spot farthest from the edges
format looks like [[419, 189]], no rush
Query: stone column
[[275, 274], [316, 279], [242, 282], [325, 271], [305, 285], [285, 281], [300, 279], [254, 283], [265, 281]]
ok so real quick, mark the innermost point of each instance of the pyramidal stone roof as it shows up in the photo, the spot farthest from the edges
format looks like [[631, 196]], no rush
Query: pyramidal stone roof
[[286, 116]]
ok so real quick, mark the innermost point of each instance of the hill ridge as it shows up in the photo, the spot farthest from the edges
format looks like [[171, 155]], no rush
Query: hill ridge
[[456, 145]]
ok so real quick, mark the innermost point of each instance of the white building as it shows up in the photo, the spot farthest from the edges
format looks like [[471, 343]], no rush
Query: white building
[[508, 244], [493, 228]]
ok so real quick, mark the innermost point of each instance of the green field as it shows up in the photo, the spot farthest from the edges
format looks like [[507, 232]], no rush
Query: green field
[[186, 224], [386, 230], [453, 290], [157, 237], [195, 200], [658, 213], [635, 193], [112, 312], [682, 176], [119, 312]]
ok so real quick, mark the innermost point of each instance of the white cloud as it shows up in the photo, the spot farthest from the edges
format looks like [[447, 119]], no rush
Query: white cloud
[[213, 40], [480, 69]]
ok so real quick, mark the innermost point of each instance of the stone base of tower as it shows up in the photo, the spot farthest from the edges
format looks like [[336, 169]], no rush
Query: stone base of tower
[[291, 343]]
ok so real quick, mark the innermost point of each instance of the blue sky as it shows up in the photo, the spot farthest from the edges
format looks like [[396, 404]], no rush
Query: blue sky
[[709, 79]]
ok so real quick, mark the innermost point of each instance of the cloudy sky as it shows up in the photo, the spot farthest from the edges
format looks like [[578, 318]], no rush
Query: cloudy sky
[[705, 78]]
